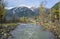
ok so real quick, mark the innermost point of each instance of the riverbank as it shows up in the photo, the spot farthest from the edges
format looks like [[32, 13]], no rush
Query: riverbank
[[5, 30], [53, 28]]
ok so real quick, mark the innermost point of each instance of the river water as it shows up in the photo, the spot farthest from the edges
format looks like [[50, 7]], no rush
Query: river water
[[30, 31]]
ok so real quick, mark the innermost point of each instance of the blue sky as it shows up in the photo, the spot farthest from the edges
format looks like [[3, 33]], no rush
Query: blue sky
[[35, 3]]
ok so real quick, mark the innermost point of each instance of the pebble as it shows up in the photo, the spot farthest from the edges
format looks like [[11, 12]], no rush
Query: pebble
[[5, 32]]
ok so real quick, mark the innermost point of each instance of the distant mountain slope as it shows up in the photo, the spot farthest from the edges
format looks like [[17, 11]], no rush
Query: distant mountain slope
[[19, 12], [56, 6], [35, 10]]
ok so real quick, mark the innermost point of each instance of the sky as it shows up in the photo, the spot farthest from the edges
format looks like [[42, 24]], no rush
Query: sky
[[29, 3]]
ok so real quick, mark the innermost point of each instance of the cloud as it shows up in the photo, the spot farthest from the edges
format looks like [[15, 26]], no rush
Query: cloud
[[9, 7], [24, 5], [29, 6]]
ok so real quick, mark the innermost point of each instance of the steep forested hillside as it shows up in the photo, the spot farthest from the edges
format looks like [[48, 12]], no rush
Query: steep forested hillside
[[56, 6]]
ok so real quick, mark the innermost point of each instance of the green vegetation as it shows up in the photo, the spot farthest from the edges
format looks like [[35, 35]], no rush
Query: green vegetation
[[2, 9], [27, 20], [9, 24], [5, 28], [55, 10]]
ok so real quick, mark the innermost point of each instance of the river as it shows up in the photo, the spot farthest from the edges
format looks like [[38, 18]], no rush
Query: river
[[30, 31]]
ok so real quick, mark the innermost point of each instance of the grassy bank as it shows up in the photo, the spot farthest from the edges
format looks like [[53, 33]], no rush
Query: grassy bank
[[9, 24]]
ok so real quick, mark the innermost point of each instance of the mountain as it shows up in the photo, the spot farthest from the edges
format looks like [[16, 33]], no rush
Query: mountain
[[35, 10], [19, 12]]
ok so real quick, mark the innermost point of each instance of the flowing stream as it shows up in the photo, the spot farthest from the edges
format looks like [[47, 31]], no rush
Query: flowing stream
[[31, 31]]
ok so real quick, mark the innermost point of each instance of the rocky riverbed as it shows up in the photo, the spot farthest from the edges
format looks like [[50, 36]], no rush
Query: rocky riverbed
[[5, 31]]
